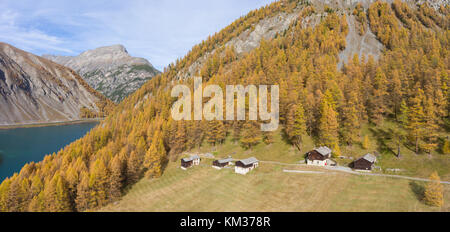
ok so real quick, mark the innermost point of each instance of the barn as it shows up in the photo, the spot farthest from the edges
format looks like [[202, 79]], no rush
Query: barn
[[246, 165], [319, 156], [189, 162], [365, 163], [219, 164]]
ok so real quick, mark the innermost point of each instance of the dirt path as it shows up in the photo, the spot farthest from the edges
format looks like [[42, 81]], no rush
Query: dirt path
[[348, 170]]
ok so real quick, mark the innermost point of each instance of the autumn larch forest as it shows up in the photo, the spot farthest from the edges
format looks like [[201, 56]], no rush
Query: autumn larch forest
[[407, 85]]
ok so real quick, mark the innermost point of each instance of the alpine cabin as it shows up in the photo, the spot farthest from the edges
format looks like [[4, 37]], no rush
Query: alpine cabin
[[219, 164], [246, 165], [319, 156], [189, 162], [365, 163]]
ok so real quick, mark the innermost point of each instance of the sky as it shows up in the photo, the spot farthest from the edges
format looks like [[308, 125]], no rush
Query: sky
[[159, 30]]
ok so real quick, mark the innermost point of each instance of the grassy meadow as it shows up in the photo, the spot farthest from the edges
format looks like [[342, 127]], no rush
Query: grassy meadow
[[411, 164], [268, 188]]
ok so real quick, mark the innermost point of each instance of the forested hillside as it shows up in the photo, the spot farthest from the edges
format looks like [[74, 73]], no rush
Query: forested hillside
[[408, 85]]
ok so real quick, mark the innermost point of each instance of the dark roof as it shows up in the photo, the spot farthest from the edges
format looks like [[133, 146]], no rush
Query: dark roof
[[229, 159], [191, 158], [369, 157], [323, 150], [249, 161]]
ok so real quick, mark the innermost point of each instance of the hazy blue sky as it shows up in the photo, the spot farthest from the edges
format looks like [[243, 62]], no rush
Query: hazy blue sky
[[159, 30]]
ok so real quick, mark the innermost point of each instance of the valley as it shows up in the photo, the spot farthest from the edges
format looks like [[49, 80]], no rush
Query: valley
[[379, 87], [110, 70]]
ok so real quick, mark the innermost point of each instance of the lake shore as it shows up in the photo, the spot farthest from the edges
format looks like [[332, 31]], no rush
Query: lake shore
[[44, 124]]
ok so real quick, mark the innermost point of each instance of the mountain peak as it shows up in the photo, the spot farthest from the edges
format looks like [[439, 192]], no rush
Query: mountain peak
[[110, 70], [113, 49], [35, 90]]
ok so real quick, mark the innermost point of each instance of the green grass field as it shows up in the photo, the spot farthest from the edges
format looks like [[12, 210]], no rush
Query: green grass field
[[411, 164], [267, 188]]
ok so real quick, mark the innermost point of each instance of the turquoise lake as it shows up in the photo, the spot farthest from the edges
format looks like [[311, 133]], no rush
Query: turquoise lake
[[22, 145]]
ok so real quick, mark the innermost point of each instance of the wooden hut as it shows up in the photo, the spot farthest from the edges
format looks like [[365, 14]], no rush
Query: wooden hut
[[319, 156], [365, 163], [246, 165], [219, 164], [189, 162]]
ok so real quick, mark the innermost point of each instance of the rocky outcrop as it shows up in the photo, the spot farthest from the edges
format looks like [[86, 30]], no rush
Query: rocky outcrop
[[362, 45], [37, 90], [248, 40], [110, 70]]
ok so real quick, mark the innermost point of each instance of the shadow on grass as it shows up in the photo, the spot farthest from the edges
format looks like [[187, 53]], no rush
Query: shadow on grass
[[382, 136], [418, 190], [285, 138]]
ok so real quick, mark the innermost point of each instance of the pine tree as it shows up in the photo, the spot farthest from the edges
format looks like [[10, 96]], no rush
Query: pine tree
[[328, 125], [377, 106], [57, 195], [350, 123], [250, 135], [83, 193], [215, 132], [415, 119], [403, 113], [117, 177], [396, 93], [434, 191], [430, 127], [336, 150], [134, 167], [296, 125], [154, 157], [15, 196], [179, 145], [98, 184], [446, 147], [267, 137], [72, 179], [37, 204], [151, 162], [366, 142], [4, 193]]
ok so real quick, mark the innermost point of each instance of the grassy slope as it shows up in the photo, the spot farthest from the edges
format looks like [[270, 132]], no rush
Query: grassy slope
[[412, 165], [269, 189]]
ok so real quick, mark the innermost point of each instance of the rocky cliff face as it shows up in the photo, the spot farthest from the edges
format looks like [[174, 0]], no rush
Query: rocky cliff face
[[248, 40], [36, 90], [110, 70]]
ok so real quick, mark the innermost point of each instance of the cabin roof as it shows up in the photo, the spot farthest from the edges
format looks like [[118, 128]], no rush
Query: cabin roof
[[369, 157], [226, 160], [249, 161], [191, 158], [323, 150]]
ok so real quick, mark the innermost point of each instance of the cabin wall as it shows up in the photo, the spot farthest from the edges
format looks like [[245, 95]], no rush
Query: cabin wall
[[196, 162], [241, 170], [245, 169], [316, 162], [362, 164]]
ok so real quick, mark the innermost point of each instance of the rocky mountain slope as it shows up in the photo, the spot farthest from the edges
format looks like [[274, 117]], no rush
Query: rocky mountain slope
[[36, 90], [110, 70]]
